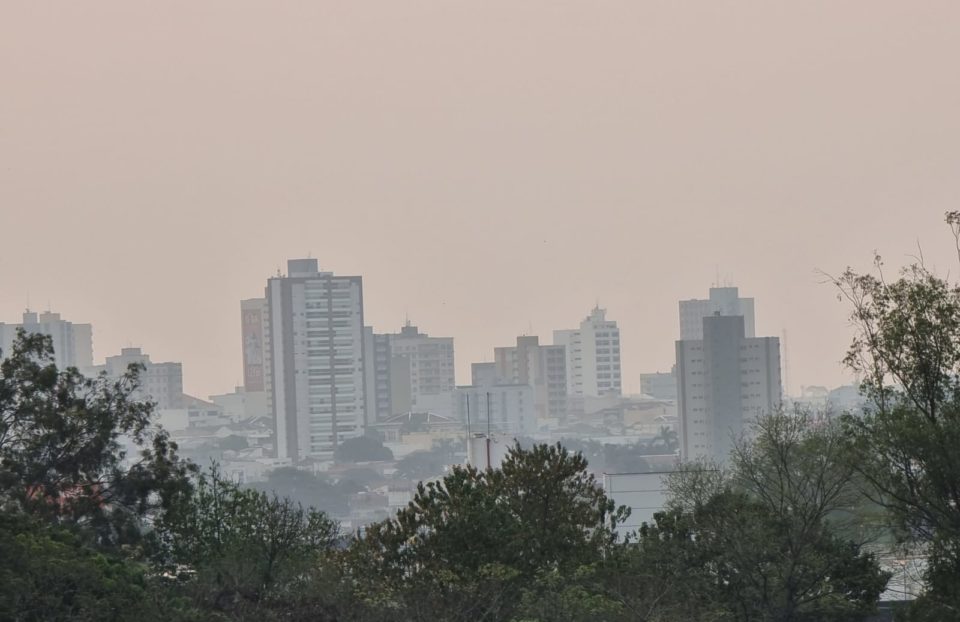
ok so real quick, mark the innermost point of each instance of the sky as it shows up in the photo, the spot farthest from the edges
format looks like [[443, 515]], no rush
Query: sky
[[490, 168]]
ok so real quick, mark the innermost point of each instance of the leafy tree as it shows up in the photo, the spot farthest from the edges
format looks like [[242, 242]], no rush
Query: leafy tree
[[362, 449], [907, 352], [421, 465], [767, 540], [666, 441], [233, 443], [244, 549], [468, 546], [569, 597], [305, 488], [47, 573], [61, 454]]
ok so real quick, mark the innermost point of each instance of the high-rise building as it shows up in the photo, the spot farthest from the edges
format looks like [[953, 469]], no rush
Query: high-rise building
[[725, 380], [315, 354], [379, 385], [407, 371], [483, 374], [72, 343], [723, 300], [161, 383], [593, 356], [430, 362], [659, 385], [542, 367], [253, 329]]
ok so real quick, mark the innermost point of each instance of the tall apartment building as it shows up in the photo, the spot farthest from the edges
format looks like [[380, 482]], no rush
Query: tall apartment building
[[593, 356], [72, 343], [407, 371], [378, 377], [315, 354], [159, 382], [723, 300], [253, 332], [542, 367], [483, 374], [430, 363], [725, 380]]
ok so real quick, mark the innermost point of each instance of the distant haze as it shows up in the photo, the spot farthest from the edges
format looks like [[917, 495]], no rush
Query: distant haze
[[488, 167]]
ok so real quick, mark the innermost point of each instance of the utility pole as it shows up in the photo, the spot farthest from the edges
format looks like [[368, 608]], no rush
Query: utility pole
[[488, 429]]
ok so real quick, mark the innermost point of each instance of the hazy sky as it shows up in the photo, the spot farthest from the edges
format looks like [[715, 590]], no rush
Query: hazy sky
[[486, 166]]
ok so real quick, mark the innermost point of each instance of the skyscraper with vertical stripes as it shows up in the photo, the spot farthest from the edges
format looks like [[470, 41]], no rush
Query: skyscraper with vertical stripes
[[315, 342]]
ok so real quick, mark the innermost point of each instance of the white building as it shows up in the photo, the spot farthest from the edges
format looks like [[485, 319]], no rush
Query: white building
[[659, 385], [482, 374], [510, 408], [644, 493], [159, 382], [725, 380], [242, 404], [315, 353], [593, 355], [72, 343], [722, 300]]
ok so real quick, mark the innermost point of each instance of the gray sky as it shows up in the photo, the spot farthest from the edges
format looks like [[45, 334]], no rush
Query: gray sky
[[486, 166]]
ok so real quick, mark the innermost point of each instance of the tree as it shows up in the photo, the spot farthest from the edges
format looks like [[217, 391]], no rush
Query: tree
[[468, 546], [906, 350], [47, 573], [60, 446], [767, 540], [305, 488], [243, 548], [626, 458], [419, 465], [666, 441], [362, 449], [233, 442]]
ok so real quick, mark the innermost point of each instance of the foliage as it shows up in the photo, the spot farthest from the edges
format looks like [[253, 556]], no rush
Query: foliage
[[242, 548], [47, 573], [362, 449], [768, 539], [61, 452], [305, 488], [424, 464], [233, 442], [467, 546], [907, 352]]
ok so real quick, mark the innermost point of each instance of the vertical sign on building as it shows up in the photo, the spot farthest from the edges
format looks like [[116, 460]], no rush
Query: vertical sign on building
[[251, 324]]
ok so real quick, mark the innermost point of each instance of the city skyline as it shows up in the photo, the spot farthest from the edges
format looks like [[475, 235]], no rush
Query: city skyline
[[549, 337], [617, 154]]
